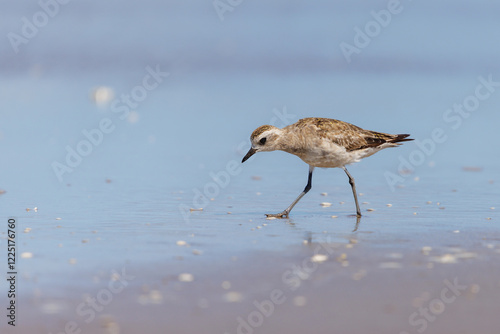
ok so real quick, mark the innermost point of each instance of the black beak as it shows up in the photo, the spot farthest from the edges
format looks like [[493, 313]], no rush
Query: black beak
[[251, 152]]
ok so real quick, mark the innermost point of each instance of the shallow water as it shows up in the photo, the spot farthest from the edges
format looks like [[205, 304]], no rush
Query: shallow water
[[125, 206]]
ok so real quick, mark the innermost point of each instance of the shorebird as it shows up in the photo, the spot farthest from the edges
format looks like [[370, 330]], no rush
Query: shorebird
[[322, 142]]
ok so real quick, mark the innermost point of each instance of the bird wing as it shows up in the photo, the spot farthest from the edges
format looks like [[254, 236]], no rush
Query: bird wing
[[348, 135]]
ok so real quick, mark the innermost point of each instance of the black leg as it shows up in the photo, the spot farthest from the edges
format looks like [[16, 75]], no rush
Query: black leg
[[308, 187], [353, 186]]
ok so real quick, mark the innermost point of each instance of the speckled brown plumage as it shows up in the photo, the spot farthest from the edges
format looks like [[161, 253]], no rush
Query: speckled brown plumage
[[344, 134], [322, 142]]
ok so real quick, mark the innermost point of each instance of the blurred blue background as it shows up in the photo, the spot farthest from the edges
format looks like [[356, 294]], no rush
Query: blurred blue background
[[226, 78]]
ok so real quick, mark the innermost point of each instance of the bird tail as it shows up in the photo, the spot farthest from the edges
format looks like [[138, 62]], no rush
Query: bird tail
[[400, 138]]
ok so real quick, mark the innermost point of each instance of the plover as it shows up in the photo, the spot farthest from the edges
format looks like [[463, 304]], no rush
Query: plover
[[322, 142]]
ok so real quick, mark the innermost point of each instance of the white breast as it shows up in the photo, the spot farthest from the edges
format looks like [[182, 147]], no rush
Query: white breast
[[330, 155]]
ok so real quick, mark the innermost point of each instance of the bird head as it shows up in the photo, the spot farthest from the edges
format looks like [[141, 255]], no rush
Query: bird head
[[263, 139]]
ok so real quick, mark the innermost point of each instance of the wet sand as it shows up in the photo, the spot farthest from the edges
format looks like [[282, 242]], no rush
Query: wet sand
[[405, 268]]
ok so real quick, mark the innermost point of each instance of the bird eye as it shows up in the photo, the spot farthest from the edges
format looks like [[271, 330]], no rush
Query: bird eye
[[263, 141]]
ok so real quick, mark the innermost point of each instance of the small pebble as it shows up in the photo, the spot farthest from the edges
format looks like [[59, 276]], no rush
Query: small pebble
[[318, 258], [326, 204], [270, 218], [197, 252], [27, 230], [370, 209], [199, 209], [84, 241], [426, 250], [101, 95], [446, 258], [342, 257], [58, 218], [334, 216], [233, 297], [155, 297], [26, 255], [389, 205], [324, 194], [181, 243], [35, 209], [185, 277]]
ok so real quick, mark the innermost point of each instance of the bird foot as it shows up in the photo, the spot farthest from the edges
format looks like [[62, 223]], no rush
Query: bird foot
[[280, 215]]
